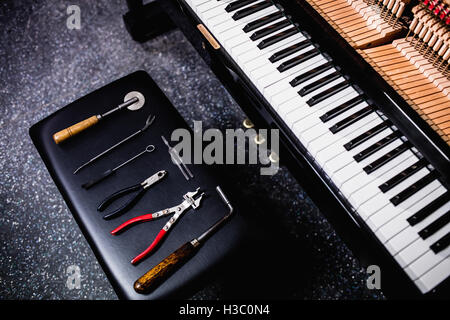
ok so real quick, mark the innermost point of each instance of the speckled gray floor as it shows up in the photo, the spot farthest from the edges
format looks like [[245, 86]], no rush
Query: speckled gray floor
[[43, 67]]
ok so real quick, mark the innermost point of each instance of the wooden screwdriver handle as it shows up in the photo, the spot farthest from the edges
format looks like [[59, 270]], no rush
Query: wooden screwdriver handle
[[75, 129], [165, 268]]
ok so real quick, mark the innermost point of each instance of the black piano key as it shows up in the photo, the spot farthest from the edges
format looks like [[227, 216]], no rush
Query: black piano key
[[388, 185], [238, 4], [251, 9], [278, 37], [408, 192], [297, 60], [327, 93], [289, 50], [310, 74], [319, 83], [351, 119], [269, 29], [367, 135], [262, 21], [377, 146], [436, 225], [441, 244], [423, 213], [386, 158], [333, 113]]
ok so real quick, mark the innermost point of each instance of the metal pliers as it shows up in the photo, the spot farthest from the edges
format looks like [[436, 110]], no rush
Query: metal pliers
[[141, 187], [189, 201]]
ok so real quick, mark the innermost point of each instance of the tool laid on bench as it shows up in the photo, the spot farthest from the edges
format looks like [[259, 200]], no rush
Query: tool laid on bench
[[150, 148], [141, 187], [154, 277], [188, 202], [178, 161], [148, 122], [134, 100]]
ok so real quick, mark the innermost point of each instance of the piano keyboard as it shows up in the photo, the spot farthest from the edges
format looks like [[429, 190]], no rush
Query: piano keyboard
[[388, 182], [363, 23]]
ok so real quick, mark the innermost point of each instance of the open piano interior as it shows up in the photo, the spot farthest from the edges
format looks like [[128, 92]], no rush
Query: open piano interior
[[360, 93]]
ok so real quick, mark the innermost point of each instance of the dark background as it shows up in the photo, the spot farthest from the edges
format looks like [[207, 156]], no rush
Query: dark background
[[45, 66]]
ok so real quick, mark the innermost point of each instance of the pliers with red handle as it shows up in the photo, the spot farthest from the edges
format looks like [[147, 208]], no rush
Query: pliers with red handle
[[189, 201]]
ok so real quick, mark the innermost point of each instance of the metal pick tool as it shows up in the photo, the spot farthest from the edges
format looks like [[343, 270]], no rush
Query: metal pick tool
[[148, 122], [150, 148], [134, 100], [178, 161]]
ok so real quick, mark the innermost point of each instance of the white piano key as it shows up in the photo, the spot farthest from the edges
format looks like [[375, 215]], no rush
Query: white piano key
[[241, 23], [312, 127], [264, 58], [408, 246], [326, 155], [341, 137], [371, 188], [408, 237], [390, 211], [399, 223], [426, 262], [279, 88], [434, 276], [290, 74]]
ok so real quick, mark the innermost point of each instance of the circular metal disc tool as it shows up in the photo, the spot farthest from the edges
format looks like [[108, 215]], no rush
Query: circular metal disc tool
[[137, 105]]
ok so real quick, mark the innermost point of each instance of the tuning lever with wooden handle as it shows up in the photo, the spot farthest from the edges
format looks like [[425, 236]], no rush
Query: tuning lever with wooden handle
[[134, 100], [66, 133], [154, 277]]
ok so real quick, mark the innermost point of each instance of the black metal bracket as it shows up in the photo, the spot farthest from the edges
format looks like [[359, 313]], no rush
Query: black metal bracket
[[146, 21]]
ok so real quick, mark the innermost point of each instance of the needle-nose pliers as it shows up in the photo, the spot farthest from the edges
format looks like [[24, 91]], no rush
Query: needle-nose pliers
[[141, 187]]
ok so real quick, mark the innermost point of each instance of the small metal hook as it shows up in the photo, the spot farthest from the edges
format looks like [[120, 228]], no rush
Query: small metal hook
[[148, 122]]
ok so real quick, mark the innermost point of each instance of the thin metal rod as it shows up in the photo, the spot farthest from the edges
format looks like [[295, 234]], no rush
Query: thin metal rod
[[121, 106], [147, 124], [150, 148], [221, 221]]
